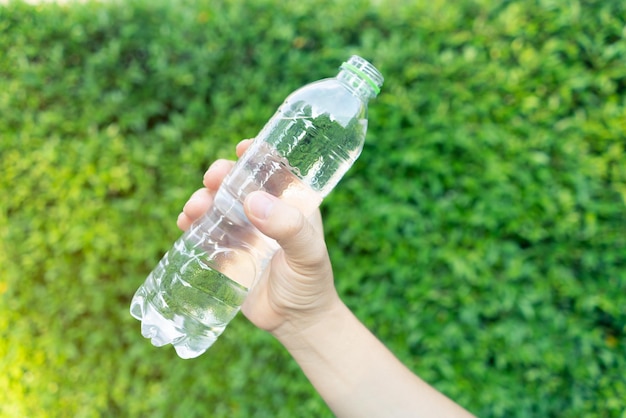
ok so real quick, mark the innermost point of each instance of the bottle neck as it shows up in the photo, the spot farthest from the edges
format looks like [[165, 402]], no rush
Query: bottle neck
[[361, 77]]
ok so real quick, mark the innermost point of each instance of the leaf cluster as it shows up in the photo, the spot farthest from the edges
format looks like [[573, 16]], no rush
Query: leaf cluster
[[481, 235]]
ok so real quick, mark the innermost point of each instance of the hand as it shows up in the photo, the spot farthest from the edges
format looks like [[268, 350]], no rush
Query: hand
[[297, 290], [297, 302]]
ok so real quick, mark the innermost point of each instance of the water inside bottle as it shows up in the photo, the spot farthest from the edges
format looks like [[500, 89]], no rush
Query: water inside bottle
[[202, 281], [185, 302]]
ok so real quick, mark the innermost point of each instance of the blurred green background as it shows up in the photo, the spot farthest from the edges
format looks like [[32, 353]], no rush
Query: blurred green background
[[481, 235]]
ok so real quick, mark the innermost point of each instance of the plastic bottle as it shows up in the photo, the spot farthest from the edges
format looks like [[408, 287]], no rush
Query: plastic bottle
[[299, 156]]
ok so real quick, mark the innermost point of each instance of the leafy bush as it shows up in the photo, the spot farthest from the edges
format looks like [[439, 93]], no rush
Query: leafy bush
[[488, 250]]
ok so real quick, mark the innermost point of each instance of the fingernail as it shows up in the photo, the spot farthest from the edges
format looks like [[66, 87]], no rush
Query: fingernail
[[261, 204]]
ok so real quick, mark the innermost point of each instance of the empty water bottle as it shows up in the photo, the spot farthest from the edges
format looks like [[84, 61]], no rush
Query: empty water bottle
[[299, 156]]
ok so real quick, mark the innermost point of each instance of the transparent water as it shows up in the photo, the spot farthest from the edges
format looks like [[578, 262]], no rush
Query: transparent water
[[185, 302], [202, 281]]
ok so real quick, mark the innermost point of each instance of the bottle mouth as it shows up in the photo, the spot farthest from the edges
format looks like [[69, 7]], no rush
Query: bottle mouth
[[365, 70]]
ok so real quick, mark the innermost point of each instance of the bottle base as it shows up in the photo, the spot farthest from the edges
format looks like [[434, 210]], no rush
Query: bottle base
[[162, 331], [185, 302]]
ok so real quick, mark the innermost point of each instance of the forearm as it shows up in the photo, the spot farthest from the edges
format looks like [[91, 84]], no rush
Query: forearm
[[357, 375]]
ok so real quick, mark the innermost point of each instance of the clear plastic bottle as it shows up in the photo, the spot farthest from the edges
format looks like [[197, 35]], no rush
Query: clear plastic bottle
[[299, 156]]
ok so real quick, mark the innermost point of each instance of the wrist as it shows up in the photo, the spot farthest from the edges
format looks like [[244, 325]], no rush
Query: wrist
[[304, 331]]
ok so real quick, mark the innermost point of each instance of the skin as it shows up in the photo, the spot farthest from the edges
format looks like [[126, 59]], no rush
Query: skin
[[296, 301]]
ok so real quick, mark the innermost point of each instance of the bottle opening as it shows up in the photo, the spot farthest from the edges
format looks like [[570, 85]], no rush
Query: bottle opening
[[364, 70]]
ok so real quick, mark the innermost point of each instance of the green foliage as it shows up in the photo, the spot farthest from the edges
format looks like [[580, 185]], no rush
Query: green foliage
[[318, 138], [481, 235]]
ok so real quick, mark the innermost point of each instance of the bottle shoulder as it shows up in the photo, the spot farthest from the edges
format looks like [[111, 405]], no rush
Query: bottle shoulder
[[327, 96], [325, 88]]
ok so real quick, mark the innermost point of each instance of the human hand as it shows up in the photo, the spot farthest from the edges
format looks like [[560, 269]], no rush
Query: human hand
[[297, 290], [296, 301]]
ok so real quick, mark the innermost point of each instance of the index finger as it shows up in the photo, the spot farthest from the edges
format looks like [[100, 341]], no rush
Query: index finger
[[243, 146]]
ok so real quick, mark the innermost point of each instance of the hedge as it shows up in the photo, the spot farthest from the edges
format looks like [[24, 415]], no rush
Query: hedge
[[481, 235]]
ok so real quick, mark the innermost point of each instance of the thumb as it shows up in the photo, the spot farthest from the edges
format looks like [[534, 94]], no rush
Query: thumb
[[301, 242]]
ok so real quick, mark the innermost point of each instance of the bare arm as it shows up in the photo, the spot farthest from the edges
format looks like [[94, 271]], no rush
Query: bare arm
[[357, 375], [297, 302]]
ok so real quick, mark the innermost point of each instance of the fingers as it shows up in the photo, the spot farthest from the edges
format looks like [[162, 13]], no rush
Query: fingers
[[300, 240], [199, 202], [220, 168], [183, 222], [216, 173], [202, 199], [243, 146]]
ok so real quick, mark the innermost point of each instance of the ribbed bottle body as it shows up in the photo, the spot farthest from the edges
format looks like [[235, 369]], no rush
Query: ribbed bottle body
[[299, 156]]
